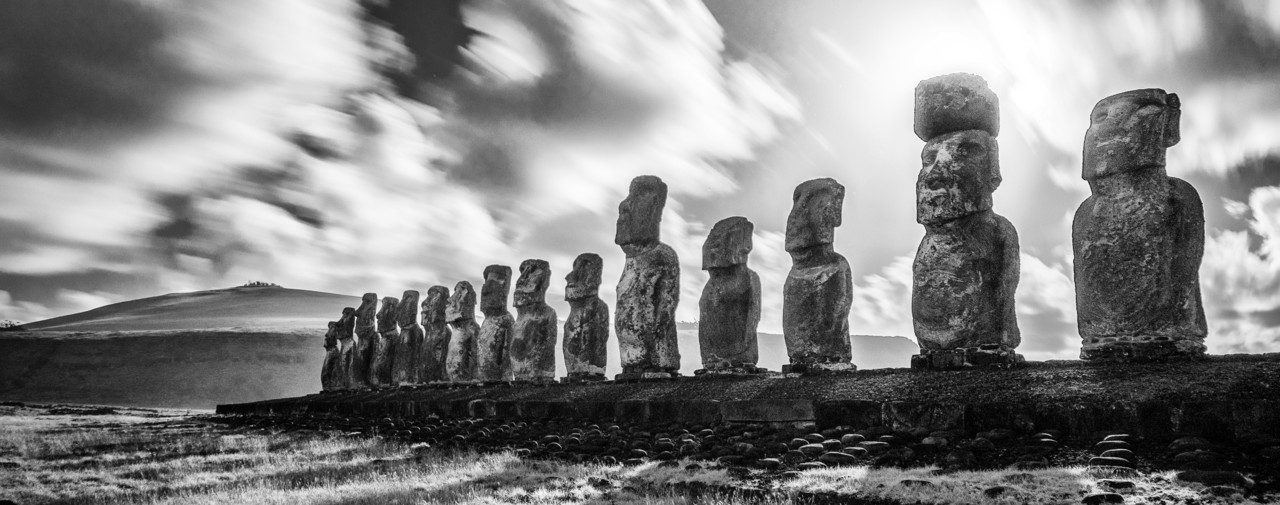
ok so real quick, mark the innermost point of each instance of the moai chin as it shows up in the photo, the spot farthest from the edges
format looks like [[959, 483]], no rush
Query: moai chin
[[818, 292], [493, 360], [366, 329], [533, 338], [404, 362], [586, 330], [966, 267], [347, 347], [460, 313], [649, 289], [329, 379], [1139, 238], [729, 310], [381, 372], [434, 348]]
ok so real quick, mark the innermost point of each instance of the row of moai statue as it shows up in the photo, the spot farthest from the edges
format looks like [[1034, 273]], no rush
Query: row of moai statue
[[1138, 241]]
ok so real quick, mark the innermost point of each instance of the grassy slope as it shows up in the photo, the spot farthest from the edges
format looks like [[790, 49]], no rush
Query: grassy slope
[[243, 307], [76, 455]]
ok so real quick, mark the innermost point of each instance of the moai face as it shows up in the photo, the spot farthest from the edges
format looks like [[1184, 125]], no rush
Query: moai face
[[960, 171], [1130, 131], [728, 244], [388, 314], [462, 305], [408, 309], [640, 213], [434, 306], [347, 323], [584, 281], [531, 288], [368, 305], [497, 284], [816, 208]]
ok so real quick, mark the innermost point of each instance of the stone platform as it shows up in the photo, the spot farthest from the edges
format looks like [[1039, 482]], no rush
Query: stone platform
[[1219, 397]]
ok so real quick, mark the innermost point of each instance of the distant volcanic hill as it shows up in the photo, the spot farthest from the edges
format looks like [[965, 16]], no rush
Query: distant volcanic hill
[[247, 307], [249, 343]]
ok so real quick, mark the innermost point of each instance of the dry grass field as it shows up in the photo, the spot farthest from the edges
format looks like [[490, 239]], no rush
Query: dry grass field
[[66, 454]]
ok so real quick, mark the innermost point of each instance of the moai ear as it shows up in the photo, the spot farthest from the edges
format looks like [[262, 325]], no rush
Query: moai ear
[[1172, 120], [835, 212], [993, 158]]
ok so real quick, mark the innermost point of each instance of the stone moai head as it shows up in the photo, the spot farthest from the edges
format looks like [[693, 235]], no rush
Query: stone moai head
[[955, 102], [496, 287], [331, 336], [389, 314], [728, 244], [1130, 131], [368, 305], [347, 323], [408, 308], [816, 208], [531, 288], [434, 306], [462, 305], [959, 172], [584, 280], [640, 213]]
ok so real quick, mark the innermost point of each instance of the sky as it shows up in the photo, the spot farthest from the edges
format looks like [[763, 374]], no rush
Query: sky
[[157, 146]]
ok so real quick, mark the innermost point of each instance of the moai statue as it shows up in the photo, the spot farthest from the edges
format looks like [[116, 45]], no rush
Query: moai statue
[[649, 289], [366, 328], [533, 338], [404, 363], [460, 313], [434, 348], [384, 348], [818, 291], [347, 347], [329, 379], [1139, 238], [730, 305], [493, 362], [966, 268], [586, 331]]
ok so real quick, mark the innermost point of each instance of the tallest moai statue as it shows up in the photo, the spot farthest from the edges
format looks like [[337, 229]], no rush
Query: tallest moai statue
[[966, 268], [649, 289], [1139, 238]]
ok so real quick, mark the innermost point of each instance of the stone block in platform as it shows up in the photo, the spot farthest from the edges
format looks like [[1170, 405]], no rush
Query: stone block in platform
[[1255, 417], [858, 414], [987, 356], [638, 376], [632, 410], [932, 416], [1212, 420], [767, 411], [483, 408], [802, 369]]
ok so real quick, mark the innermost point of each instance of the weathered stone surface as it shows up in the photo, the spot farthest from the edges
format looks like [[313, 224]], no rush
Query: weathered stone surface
[[817, 294], [966, 267], [329, 379], [347, 344], [729, 310], [460, 313], [434, 350], [381, 368], [366, 331], [493, 362], [649, 289], [586, 331], [1139, 238], [533, 338], [955, 102], [405, 368]]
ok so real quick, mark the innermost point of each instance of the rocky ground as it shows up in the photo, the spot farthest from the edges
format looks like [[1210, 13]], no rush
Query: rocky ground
[[761, 454]]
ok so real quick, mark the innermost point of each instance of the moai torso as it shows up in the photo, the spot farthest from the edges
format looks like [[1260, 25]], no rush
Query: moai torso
[[533, 339], [1139, 238], [649, 289], [729, 310], [329, 380], [493, 360], [434, 348], [346, 344], [460, 313], [961, 296], [818, 292], [586, 330], [366, 328], [404, 368], [380, 367]]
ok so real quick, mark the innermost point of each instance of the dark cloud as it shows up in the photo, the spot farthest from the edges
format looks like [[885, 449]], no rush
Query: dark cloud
[[1237, 43], [432, 30], [74, 66]]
